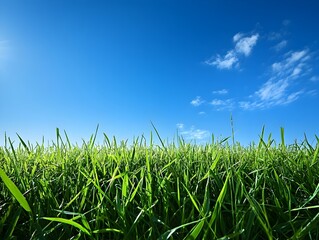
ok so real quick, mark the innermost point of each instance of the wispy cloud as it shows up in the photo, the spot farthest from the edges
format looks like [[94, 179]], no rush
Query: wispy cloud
[[293, 65], [281, 45], [281, 33], [197, 101], [220, 104], [243, 47], [192, 133], [224, 62], [220, 92], [275, 36], [286, 22], [280, 88]]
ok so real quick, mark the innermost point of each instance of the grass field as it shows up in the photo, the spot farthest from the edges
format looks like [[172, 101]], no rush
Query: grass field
[[117, 190]]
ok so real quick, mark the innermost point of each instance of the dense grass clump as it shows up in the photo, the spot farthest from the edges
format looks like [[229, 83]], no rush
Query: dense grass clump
[[148, 191]]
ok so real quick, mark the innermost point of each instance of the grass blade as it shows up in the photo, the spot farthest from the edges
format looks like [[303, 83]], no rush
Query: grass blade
[[15, 191], [24, 144], [69, 222]]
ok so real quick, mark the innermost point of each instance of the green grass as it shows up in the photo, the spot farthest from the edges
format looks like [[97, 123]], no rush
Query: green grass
[[167, 191]]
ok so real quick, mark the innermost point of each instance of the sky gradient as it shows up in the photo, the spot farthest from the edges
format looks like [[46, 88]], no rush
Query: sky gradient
[[185, 66]]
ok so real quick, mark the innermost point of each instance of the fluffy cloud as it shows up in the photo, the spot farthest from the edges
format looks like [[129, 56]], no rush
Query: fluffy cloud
[[243, 47], [197, 101]]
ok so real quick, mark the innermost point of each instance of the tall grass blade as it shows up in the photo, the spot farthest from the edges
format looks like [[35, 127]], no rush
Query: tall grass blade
[[107, 230], [169, 233], [282, 136], [315, 155], [196, 231], [67, 139], [261, 139], [159, 136], [24, 144], [13, 224], [232, 129], [93, 137], [69, 222], [218, 204], [312, 225], [15, 191]]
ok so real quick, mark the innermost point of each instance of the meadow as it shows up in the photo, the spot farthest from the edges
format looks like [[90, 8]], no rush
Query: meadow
[[143, 190]]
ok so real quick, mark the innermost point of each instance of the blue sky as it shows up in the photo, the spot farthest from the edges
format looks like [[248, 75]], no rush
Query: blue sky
[[186, 66]]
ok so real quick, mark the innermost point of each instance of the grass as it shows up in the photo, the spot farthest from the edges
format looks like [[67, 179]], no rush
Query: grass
[[147, 191]]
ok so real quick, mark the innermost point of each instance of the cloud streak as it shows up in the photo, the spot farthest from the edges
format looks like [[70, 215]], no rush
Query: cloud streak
[[220, 92], [281, 45], [243, 47], [279, 89], [192, 133], [220, 104]]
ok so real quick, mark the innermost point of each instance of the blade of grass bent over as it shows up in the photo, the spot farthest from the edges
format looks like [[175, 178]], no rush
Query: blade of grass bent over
[[15, 191], [69, 222]]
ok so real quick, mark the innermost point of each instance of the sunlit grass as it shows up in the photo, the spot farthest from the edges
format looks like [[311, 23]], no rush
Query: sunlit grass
[[180, 190]]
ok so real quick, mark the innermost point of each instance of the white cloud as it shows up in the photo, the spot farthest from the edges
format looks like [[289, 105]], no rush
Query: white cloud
[[273, 93], [220, 92], [312, 92], [180, 125], [297, 71], [293, 65], [220, 104], [194, 133], [202, 113], [275, 36], [280, 87], [293, 97], [272, 90], [197, 101], [247, 105], [237, 36], [217, 102], [243, 46], [297, 56], [226, 62], [281, 45]]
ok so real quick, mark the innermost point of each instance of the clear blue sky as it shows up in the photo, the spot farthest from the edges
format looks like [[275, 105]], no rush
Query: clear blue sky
[[187, 66]]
